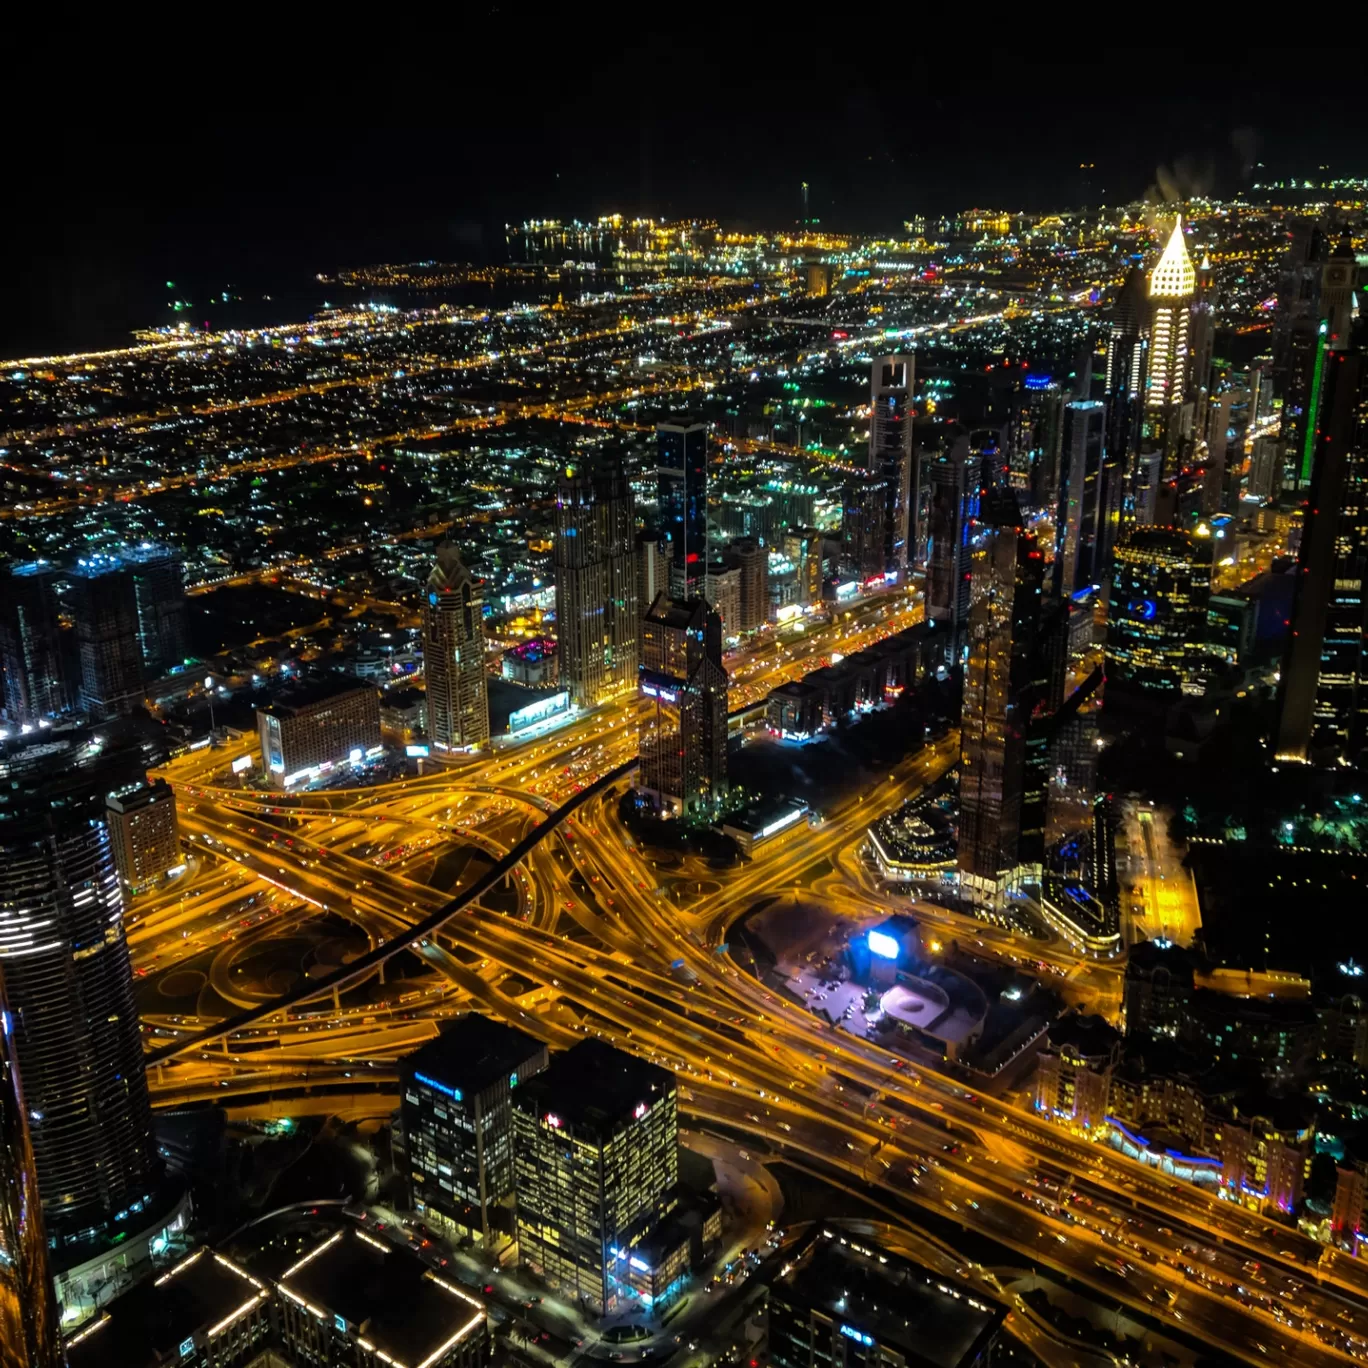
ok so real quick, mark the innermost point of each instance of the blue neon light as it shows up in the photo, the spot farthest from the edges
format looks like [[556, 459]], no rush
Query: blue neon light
[[883, 945], [453, 1093], [859, 1336], [1038, 382]]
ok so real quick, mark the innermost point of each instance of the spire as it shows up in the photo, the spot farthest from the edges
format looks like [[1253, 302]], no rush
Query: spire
[[449, 570], [1174, 276]]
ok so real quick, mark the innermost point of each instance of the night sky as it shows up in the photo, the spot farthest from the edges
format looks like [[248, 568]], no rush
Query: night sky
[[271, 180]]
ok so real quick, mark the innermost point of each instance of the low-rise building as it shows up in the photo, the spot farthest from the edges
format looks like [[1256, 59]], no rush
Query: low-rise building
[[1073, 1076], [312, 728]]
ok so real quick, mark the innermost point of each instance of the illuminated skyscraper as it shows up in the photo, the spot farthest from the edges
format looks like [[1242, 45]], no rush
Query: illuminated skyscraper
[[29, 1315], [1173, 283], [684, 736], [1001, 688], [891, 385], [596, 1143], [596, 583], [1296, 345], [1127, 365], [1157, 628], [1324, 683], [30, 644], [159, 595], [75, 1022], [1089, 491], [682, 445], [104, 607], [954, 503], [454, 655]]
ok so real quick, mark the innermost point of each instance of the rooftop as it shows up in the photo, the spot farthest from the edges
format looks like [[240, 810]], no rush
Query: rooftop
[[473, 1053], [309, 692], [932, 1323], [149, 1323], [385, 1295], [595, 1088]]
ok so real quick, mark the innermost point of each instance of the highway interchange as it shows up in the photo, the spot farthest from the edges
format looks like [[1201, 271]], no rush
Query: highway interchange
[[588, 937]]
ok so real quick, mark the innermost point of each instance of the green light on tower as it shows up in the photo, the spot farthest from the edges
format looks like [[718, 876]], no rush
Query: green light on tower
[[1313, 409]]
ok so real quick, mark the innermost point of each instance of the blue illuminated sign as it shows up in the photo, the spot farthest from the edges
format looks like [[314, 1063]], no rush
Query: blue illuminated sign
[[340, 1325], [187, 1348], [1038, 382], [883, 945], [859, 1336], [453, 1093]]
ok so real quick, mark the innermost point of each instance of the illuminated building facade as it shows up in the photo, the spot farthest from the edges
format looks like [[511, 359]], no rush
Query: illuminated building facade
[[1124, 380], [682, 448], [886, 499], [597, 1158], [953, 504], [76, 1031], [159, 596], [144, 832], [28, 1306], [312, 728], [1089, 497], [30, 644], [1156, 635], [596, 583], [457, 1108], [1296, 346], [104, 608], [752, 561], [1265, 1153], [1173, 284], [1001, 687], [684, 735], [1324, 683], [454, 655]]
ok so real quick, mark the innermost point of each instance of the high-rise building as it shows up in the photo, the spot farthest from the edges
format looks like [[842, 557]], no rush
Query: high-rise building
[[1001, 688], [752, 560], [682, 445], [104, 608], [1082, 518], [954, 503], [457, 1109], [308, 729], [652, 574], [454, 655], [597, 1160], [29, 1316], [1173, 284], [74, 1019], [1202, 336], [596, 583], [724, 595], [1127, 367], [1296, 345], [30, 644], [1034, 433], [1157, 627], [890, 460], [159, 595], [143, 832], [684, 736], [1323, 702]]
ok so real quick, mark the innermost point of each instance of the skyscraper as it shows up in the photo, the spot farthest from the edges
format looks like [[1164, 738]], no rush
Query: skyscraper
[[1173, 283], [954, 503], [1000, 690], [891, 387], [682, 444], [30, 644], [684, 736], [75, 1021], [105, 610], [1323, 715], [1296, 345], [1157, 628], [597, 1157], [159, 595], [454, 655], [596, 583], [29, 1316], [1127, 366], [143, 831], [752, 560], [1081, 519]]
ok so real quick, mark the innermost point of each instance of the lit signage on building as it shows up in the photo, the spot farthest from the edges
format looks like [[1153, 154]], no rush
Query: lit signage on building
[[780, 823], [420, 752], [859, 1336], [553, 1120], [883, 945], [847, 590], [665, 695], [243, 762], [639, 1112], [453, 1093], [540, 711]]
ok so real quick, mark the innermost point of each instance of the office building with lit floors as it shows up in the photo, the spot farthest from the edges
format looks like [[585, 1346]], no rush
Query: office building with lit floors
[[953, 504], [1003, 680], [311, 728], [29, 1315], [1172, 291], [104, 609], [683, 767], [858, 1305], [457, 1111], [597, 1159], [1323, 695], [30, 644], [1157, 627], [596, 583], [454, 656], [144, 832], [73, 1015], [682, 447], [158, 576]]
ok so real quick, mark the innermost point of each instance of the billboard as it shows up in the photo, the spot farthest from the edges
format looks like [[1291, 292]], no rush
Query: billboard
[[243, 762], [540, 711], [883, 945], [417, 752]]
